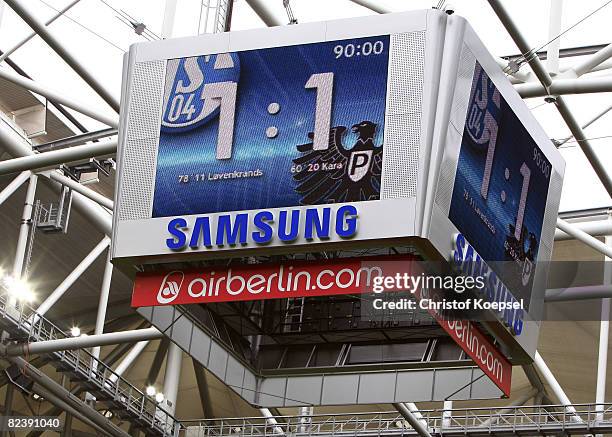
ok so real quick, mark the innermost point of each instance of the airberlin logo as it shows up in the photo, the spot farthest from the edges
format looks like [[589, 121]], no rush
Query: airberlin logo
[[170, 287]]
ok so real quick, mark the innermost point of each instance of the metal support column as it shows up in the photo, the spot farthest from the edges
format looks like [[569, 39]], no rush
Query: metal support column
[[412, 419], [271, 420], [59, 97], [168, 21], [66, 399], [24, 229], [103, 302], [56, 157], [305, 418], [172, 377], [373, 6], [17, 46], [447, 414], [14, 185], [596, 228], [71, 278], [264, 11], [555, 386], [554, 30], [538, 68], [45, 33], [61, 344], [584, 237], [129, 359], [602, 362], [200, 374], [79, 188]]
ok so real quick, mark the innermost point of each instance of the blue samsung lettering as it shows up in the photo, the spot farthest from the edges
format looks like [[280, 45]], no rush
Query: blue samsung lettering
[[228, 233], [346, 214], [202, 226], [313, 222], [265, 233], [179, 240], [294, 225]]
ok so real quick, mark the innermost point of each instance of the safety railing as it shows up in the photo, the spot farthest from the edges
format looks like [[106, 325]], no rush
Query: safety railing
[[526, 420], [25, 324]]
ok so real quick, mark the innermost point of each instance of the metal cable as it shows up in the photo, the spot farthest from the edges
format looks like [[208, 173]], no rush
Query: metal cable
[[84, 27]]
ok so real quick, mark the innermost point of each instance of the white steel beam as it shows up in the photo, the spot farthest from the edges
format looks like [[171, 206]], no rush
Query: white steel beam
[[604, 329], [14, 185], [48, 36], [271, 420], [79, 188], [554, 29], [590, 62], [56, 157], [416, 423], [56, 389], [172, 377], [24, 228], [99, 217], [555, 386], [82, 342], [61, 12], [103, 302], [565, 86], [584, 237], [71, 279], [129, 359], [447, 414], [168, 21], [59, 97], [578, 293], [373, 6], [538, 68], [265, 12], [595, 228]]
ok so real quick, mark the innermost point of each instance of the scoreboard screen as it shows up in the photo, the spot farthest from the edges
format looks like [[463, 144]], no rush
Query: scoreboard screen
[[275, 127], [501, 185]]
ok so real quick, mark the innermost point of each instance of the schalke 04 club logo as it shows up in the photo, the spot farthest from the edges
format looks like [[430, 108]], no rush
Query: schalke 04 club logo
[[185, 105], [338, 174], [483, 114]]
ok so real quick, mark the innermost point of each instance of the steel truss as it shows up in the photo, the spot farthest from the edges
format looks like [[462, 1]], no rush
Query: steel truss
[[475, 422], [110, 389]]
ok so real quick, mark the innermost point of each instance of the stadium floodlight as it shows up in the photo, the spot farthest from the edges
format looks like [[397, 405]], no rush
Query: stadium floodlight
[[75, 331], [18, 288], [150, 390]]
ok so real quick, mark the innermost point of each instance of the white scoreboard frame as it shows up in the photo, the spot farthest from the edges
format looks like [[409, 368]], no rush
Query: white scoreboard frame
[[137, 236], [426, 43]]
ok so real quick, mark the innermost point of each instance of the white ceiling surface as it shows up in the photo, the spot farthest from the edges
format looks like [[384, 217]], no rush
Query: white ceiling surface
[[582, 189]]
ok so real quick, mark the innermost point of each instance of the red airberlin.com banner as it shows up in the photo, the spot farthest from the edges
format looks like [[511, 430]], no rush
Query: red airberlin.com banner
[[311, 279], [478, 347], [265, 281]]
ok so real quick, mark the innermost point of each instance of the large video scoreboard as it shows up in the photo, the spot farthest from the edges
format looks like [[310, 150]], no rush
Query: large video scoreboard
[[379, 131]]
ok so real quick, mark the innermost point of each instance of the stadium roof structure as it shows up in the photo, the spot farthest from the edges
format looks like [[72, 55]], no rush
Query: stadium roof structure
[[59, 94]]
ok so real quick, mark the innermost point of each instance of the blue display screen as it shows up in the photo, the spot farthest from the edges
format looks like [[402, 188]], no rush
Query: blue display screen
[[501, 185], [277, 127]]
